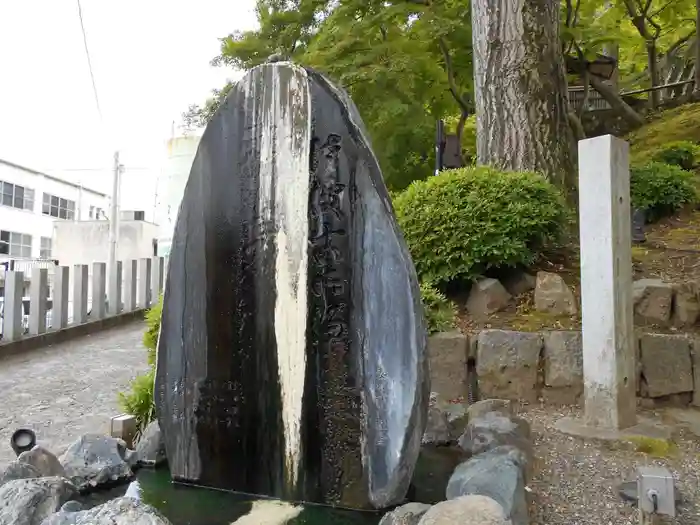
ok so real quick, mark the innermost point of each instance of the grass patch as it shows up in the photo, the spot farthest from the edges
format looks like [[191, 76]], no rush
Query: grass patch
[[654, 447], [673, 125]]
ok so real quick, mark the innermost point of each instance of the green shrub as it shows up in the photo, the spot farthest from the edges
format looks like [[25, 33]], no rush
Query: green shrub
[[462, 222], [139, 400], [660, 189], [683, 154], [150, 338], [440, 312]]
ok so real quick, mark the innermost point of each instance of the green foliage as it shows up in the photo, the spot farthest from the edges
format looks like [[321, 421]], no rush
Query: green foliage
[[463, 222], [683, 154], [440, 312], [468, 135], [139, 400], [390, 56], [150, 338], [673, 125], [661, 189]]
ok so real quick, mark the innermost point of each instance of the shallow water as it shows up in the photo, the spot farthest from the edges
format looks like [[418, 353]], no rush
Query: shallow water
[[194, 506]]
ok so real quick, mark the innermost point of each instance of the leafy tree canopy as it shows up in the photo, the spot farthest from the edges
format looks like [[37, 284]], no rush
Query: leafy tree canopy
[[407, 63]]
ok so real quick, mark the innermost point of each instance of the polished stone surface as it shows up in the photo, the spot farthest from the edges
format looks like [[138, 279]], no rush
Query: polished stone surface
[[291, 359]]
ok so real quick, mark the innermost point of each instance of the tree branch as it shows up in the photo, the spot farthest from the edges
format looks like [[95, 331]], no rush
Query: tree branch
[[450, 76]]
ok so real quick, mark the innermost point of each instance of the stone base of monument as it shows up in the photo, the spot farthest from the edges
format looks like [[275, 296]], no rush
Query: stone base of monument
[[645, 428]]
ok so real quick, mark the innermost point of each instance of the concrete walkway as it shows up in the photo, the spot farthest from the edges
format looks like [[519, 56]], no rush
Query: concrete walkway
[[69, 389]]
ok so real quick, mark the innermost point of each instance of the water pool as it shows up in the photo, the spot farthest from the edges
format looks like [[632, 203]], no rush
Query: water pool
[[184, 505]]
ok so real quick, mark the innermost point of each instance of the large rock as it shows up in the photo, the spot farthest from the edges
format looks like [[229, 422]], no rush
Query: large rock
[[493, 430], [483, 407], [95, 460], [448, 364], [17, 470], [409, 514], [31, 501], [467, 510], [150, 449], [437, 430], [666, 364], [497, 474], [653, 301], [487, 297], [695, 353], [686, 307], [519, 282], [563, 367], [120, 511], [292, 353], [44, 461], [446, 421], [507, 364], [553, 295]]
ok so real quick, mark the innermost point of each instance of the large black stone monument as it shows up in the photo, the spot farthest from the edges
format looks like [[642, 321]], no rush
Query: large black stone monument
[[292, 353]]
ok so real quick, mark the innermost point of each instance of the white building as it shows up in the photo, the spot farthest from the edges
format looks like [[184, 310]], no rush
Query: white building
[[87, 242], [30, 203]]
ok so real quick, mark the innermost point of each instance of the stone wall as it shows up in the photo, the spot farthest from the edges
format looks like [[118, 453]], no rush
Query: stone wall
[[529, 366]]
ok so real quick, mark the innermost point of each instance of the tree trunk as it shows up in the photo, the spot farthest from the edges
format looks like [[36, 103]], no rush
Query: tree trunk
[[652, 67], [520, 89], [697, 46]]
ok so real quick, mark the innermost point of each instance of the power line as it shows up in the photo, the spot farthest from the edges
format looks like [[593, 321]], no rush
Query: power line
[[87, 54]]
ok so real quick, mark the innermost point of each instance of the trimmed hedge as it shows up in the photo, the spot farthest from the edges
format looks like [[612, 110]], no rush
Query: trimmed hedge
[[661, 189], [463, 222]]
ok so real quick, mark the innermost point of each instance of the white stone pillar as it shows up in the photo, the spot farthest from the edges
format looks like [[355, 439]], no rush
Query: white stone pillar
[[99, 283], [38, 295], [609, 356], [115, 289], [59, 313], [144, 292], [157, 274], [130, 278], [12, 317], [80, 293]]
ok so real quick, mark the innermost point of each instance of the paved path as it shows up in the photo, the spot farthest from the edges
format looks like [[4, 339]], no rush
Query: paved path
[[65, 390]]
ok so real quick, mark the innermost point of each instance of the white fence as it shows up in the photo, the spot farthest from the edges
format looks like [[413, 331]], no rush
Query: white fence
[[61, 296]]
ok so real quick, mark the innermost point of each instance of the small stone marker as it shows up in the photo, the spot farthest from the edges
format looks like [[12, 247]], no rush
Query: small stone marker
[[123, 427], [639, 218], [606, 283]]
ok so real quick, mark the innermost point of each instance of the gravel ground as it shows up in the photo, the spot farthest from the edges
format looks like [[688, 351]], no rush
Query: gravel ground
[[69, 389], [576, 480]]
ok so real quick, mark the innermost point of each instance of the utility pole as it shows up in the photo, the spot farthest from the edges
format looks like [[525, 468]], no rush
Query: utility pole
[[114, 217]]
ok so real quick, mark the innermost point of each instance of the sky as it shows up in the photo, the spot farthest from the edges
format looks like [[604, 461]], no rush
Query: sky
[[150, 60]]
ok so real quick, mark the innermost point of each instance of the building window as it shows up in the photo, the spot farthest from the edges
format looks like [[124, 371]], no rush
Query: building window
[[92, 212], [58, 207], [99, 214], [17, 196], [45, 251], [15, 244]]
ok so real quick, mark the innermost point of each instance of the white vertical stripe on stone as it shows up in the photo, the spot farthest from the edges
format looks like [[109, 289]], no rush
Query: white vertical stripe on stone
[[284, 154]]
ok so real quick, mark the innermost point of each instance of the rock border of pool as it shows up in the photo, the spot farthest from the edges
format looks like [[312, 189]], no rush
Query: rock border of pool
[[488, 448]]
